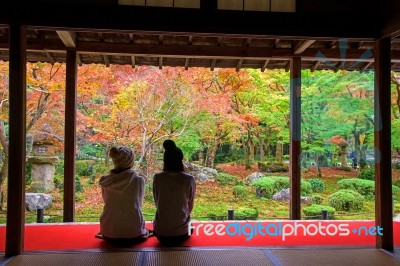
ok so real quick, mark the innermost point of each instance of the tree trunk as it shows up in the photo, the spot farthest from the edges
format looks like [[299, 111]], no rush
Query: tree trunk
[[201, 156], [319, 174], [106, 157], [343, 155], [261, 148], [279, 152], [212, 151]]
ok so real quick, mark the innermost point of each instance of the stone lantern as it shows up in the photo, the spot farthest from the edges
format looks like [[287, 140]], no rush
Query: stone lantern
[[43, 159]]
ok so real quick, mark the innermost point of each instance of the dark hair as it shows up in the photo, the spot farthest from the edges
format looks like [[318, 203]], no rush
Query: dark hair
[[173, 156]]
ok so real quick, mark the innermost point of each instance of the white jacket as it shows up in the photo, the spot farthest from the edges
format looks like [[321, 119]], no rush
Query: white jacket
[[123, 195]]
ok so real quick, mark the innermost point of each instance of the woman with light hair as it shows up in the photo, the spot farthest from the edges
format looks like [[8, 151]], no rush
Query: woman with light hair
[[123, 193]]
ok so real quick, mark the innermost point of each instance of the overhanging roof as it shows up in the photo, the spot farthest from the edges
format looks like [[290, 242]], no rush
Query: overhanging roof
[[197, 50]]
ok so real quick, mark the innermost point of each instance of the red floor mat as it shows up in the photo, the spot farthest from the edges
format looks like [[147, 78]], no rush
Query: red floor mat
[[77, 236]]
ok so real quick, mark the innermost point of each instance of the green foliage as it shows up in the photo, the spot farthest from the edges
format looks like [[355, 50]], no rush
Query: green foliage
[[239, 214], [227, 179], [78, 184], [265, 187], [317, 185], [317, 199], [28, 173], [272, 167], [367, 174], [91, 151], [84, 167], [346, 200], [59, 181], [364, 187], [315, 211], [148, 192], [246, 214], [268, 186], [239, 191]]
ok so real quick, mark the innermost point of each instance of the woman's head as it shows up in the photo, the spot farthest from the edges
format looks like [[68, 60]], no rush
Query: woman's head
[[122, 157], [173, 156]]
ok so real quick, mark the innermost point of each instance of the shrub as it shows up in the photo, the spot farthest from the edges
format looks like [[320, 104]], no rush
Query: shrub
[[396, 182], [364, 187], [239, 191], [59, 181], [281, 182], [216, 214], [84, 167], [346, 200], [148, 192], [268, 186], [227, 179], [367, 174], [246, 214], [265, 187], [272, 167], [78, 184], [315, 211], [317, 199], [317, 185]]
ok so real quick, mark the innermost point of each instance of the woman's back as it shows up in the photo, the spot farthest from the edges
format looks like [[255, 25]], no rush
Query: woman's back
[[173, 193], [123, 196]]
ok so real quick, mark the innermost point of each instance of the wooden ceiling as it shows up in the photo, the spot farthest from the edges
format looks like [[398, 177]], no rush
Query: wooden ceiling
[[197, 50]]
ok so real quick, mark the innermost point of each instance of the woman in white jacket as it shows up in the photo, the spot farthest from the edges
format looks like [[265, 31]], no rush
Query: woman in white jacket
[[123, 192]]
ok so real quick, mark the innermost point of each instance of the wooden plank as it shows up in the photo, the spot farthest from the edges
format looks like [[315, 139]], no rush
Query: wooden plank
[[383, 152], [315, 65], [70, 137], [264, 65], [300, 48], [239, 65], [187, 62], [68, 38], [160, 62], [50, 58], [133, 61], [295, 138], [213, 63], [17, 142], [106, 60]]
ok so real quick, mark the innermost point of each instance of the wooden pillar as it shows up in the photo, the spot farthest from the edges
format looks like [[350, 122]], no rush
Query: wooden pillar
[[70, 137], [17, 150], [295, 138], [383, 155]]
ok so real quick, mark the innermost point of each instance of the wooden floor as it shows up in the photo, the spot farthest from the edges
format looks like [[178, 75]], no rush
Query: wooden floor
[[307, 256]]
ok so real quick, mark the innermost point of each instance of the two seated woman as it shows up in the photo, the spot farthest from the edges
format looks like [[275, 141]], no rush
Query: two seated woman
[[123, 192]]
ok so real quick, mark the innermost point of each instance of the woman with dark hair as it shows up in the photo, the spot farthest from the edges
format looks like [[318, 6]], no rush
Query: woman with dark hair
[[121, 221], [173, 192]]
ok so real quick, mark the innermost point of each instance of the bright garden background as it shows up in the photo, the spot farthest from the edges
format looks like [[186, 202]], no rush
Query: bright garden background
[[236, 123]]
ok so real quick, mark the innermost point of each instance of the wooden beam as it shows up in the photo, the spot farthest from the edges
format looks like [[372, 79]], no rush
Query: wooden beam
[[275, 45], [239, 65], [101, 39], [288, 64], [383, 151], [106, 60], [367, 65], [301, 47], [78, 59], [130, 37], [160, 62], [17, 142], [70, 137], [133, 61], [68, 38], [247, 42], [213, 63], [187, 61], [295, 138], [50, 58], [190, 40], [314, 66], [264, 65], [160, 39]]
